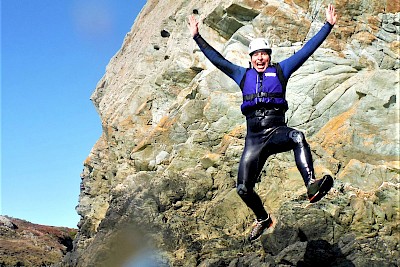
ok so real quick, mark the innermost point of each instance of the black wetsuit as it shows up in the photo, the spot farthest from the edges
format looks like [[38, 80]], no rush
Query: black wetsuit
[[267, 132]]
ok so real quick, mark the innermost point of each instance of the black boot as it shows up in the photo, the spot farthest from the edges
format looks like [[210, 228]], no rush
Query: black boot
[[317, 189]]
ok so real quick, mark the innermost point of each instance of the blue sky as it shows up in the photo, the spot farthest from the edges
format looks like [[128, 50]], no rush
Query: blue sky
[[53, 53]]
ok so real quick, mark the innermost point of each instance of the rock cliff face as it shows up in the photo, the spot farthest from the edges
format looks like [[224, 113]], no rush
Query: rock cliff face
[[164, 170]]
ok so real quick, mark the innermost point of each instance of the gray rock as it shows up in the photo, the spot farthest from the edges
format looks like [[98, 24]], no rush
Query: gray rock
[[7, 223]]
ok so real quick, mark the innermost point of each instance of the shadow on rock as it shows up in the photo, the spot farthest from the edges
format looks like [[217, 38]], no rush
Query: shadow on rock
[[309, 237], [321, 253]]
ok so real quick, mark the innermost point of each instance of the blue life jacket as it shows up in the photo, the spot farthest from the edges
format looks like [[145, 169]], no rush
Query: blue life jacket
[[265, 89]]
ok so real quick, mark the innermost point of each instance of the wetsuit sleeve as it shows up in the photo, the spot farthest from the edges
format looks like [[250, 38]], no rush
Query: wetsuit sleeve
[[235, 72], [294, 62]]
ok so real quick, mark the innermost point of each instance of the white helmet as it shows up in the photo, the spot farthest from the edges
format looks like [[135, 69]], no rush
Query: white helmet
[[259, 44]]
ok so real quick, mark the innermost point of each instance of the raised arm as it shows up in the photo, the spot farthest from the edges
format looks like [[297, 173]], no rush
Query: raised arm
[[235, 72], [294, 62]]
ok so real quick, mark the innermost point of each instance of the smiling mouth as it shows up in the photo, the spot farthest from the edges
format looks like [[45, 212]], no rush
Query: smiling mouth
[[260, 64]]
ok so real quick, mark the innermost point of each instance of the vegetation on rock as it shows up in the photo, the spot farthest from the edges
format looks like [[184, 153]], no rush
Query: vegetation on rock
[[26, 244]]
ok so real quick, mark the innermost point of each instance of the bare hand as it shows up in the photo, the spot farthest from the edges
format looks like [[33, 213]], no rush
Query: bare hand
[[331, 16], [193, 25]]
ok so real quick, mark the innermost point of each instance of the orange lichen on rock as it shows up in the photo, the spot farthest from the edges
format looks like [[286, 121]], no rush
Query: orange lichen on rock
[[333, 135]]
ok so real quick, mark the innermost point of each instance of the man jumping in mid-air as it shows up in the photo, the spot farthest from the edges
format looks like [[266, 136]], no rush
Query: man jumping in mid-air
[[264, 105]]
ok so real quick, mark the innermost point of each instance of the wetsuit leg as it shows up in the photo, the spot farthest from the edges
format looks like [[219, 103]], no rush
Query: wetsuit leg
[[259, 146], [302, 156], [285, 139], [251, 164]]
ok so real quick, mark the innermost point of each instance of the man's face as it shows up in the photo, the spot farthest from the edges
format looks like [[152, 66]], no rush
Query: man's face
[[260, 60]]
